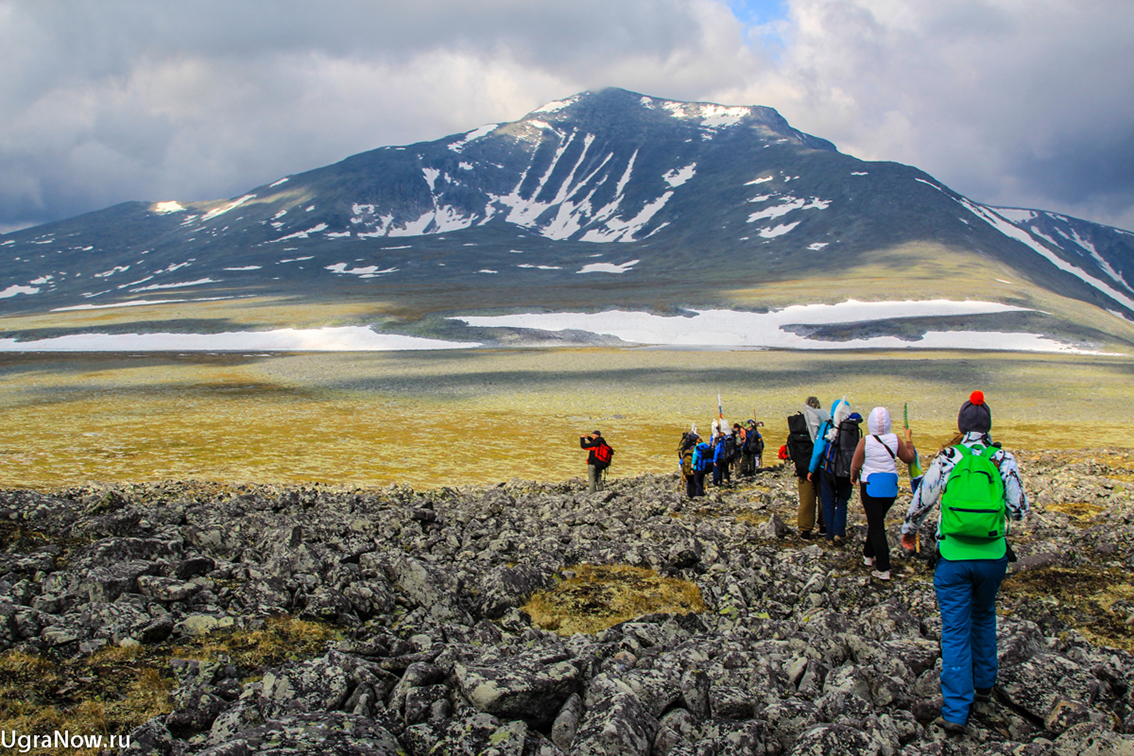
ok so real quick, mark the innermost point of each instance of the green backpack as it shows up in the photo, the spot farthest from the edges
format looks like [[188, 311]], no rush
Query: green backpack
[[973, 515]]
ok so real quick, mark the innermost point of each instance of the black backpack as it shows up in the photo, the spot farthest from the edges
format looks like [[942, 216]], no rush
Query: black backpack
[[730, 451], [840, 452], [799, 443]]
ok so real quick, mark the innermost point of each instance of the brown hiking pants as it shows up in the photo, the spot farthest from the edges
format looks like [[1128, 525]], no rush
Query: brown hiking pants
[[808, 503]]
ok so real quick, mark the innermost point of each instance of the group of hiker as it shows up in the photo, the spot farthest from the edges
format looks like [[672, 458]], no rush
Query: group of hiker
[[977, 487], [728, 453], [975, 483]]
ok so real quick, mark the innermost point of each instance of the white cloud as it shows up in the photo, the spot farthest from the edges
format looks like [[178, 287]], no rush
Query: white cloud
[[1009, 102]]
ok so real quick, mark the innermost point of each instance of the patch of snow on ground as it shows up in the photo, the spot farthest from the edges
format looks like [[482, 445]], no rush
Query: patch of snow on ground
[[816, 246], [245, 267], [13, 290], [608, 267], [179, 285], [163, 208], [331, 339], [370, 271], [131, 303], [719, 116], [112, 271], [727, 328], [772, 233], [302, 234], [679, 176], [788, 205], [277, 183], [225, 208], [859, 173], [761, 180], [472, 135], [295, 259], [556, 105], [1016, 214], [540, 267]]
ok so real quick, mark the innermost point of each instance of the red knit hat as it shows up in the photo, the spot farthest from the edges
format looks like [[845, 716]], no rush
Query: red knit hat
[[975, 415]]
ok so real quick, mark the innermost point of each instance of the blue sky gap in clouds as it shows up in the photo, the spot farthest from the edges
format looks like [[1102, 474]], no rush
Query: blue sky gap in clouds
[[1024, 105]]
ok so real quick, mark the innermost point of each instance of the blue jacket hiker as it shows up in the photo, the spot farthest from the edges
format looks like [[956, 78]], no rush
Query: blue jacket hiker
[[973, 554], [702, 464]]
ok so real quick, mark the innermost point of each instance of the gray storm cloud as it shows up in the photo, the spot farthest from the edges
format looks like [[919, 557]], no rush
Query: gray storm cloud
[[119, 100]]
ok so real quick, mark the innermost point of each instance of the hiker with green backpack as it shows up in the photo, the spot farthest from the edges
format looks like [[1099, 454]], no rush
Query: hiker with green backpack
[[978, 487]]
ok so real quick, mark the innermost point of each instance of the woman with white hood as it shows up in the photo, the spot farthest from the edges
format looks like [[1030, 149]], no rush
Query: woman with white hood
[[875, 466]]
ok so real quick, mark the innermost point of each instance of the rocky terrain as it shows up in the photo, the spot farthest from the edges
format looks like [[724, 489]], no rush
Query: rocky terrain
[[429, 651]]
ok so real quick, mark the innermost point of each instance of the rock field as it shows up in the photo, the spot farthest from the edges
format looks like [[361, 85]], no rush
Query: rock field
[[800, 650]]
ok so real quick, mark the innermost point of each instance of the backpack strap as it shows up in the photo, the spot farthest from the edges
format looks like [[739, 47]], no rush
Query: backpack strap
[[887, 448]]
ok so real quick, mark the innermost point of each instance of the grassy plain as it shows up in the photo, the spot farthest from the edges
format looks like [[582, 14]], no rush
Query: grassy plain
[[457, 417]]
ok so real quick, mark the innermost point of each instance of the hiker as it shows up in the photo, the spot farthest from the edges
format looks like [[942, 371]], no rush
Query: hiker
[[598, 459], [740, 433], [803, 427], [875, 467], [722, 451], [977, 484], [831, 458], [702, 464], [689, 440], [754, 447]]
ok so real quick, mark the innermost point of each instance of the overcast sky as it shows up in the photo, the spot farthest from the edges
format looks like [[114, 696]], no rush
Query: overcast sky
[[1027, 103]]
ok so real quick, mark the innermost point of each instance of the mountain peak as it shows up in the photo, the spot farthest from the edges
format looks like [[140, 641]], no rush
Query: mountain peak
[[622, 106]]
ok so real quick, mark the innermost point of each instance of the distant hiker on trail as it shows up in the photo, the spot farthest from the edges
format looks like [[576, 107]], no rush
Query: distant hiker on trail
[[725, 453], [978, 486], [689, 440], [831, 461], [702, 465], [803, 427], [875, 464], [597, 460], [753, 451], [740, 433]]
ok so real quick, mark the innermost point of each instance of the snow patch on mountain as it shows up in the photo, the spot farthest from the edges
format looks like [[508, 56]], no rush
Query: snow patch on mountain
[[608, 267], [731, 329], [368, 271], [226, 208], [13, 290], [330, 339], [679, 176], [178, 285], [1004, 226]]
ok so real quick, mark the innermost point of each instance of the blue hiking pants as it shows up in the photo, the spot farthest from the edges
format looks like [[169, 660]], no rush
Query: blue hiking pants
[[835, 494], [966, 596]]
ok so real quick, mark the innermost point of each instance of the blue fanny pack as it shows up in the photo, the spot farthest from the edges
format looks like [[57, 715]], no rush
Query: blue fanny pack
[[882, 485]]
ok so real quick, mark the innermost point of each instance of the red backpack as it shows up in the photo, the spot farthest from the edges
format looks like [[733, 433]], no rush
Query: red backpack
[[603, 454]]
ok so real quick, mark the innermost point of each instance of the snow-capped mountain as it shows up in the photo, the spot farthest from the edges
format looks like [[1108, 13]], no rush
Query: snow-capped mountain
[[605, 199]]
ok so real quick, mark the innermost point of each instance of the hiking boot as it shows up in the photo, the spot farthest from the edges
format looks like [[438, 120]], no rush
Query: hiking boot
[[805, 535], [868, 561], [822, 530], [881, 574], [950, 728], [839, 540], [983, 695]]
